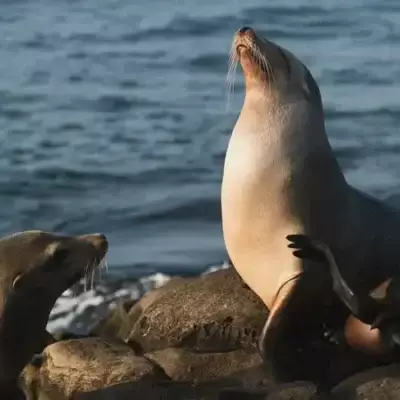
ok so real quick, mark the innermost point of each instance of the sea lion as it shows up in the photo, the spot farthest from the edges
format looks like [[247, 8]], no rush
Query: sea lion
[[281, 176], [35, 269], [374, 324]]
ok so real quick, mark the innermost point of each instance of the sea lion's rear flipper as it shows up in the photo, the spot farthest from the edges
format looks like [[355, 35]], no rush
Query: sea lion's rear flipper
[[386, 296], [364, 308], [279, 318]]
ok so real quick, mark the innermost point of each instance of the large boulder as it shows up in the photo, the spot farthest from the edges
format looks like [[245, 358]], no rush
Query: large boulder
[[213, 313], [84, 365]]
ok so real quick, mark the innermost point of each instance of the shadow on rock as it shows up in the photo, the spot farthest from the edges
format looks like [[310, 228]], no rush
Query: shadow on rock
[[239, 367], [382, 383]]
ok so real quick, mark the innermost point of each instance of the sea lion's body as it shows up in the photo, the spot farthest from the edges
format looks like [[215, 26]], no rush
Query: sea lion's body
[[281, 177], [35, 269]]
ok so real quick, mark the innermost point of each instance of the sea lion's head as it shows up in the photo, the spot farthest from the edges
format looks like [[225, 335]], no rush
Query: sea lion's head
[[35, 269], [282, 99], [34, 260], [272, 71]]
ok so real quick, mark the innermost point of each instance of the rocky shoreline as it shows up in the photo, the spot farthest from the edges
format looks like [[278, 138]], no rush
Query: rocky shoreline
[[195, 338]]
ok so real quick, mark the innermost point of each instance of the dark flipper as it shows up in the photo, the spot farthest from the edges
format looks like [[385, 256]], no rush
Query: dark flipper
[[364, 308], [277, 324]]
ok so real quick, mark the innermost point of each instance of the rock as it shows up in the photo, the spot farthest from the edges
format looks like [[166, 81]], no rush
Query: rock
[[294, 390], [213, 312], [237, 368], [119, 322], [148, 299], [169, 391], [184, 391], [382, 383], [83, 365], [115, 325]]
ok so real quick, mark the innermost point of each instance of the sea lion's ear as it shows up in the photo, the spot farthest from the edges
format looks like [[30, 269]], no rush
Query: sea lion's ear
[[16, 281], [380, 292]]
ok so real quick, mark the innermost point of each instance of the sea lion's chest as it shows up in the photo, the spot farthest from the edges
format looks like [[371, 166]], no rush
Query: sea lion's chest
[[256, 185]]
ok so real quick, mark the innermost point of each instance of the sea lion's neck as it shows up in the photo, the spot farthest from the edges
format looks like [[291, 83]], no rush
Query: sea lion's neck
[[22, 331], [291, 134]]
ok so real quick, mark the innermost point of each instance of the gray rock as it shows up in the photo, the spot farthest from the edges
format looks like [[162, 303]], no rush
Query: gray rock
[[294, 390], [235, 368], [169, 391], [213, 312], [119, 322], [382, 383], [84, 365]]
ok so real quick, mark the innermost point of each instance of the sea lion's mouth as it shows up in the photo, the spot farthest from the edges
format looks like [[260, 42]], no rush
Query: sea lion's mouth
[[241, 48], [247, 50]]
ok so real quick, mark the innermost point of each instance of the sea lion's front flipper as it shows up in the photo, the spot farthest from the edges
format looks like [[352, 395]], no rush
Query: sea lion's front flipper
[[315, 250], [364, 308]]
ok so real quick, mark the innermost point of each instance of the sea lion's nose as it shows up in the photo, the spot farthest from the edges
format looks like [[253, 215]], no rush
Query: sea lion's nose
[[244, 29], [98, 240]]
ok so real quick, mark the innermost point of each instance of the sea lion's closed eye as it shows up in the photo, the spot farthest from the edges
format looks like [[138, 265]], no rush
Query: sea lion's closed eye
[[60, 255]]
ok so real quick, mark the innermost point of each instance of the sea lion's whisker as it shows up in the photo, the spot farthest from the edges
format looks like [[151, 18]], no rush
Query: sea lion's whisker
[[231, 75], [85, 276], [103, 265], [94, 269], [231, 86], [89, 274], [263, 63]]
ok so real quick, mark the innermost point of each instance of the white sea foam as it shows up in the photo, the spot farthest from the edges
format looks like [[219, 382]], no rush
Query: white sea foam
[[77, 310]]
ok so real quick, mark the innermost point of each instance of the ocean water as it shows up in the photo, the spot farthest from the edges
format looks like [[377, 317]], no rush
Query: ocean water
[[114, 114]]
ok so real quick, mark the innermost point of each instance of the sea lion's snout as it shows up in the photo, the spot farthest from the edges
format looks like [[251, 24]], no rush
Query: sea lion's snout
[[244, 40], [244, 30], [261, 59], [246, 33], [98, 240]]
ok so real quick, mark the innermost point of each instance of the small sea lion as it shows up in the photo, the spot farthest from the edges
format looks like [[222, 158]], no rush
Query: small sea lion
[[35, 269], [281, 176], [374, 326]]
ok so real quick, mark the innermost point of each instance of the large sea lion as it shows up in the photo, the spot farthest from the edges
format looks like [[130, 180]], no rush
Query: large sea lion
[[35, 269], [281, 177]]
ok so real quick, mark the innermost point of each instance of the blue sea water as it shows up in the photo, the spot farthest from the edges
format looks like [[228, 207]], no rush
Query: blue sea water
[[114, 114]]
